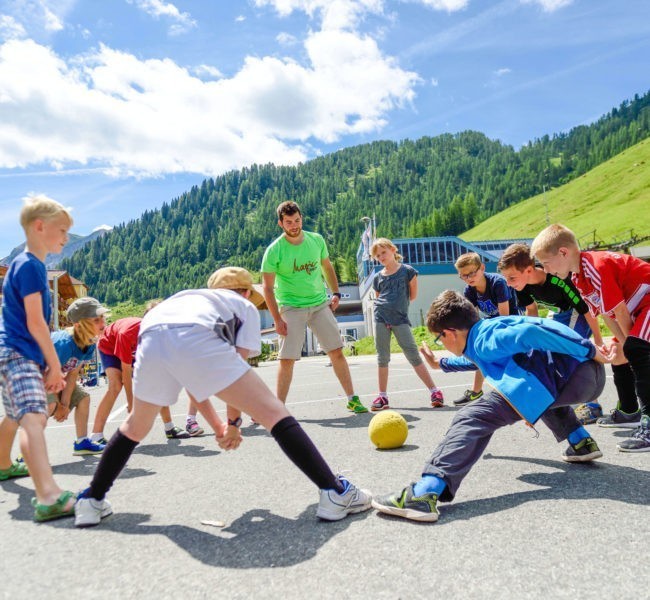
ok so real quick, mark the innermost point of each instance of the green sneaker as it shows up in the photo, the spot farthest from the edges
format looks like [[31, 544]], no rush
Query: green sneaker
[[355, 406], [584, 451], [17, 469], [404, 504]]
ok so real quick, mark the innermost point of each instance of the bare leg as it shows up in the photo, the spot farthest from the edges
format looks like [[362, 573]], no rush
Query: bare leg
[[424, 375], [8, 430], [478, 382], [81, 414], [166, 414], [285, 375], [140, 420], [382, 376], [106, 404], [342, 370], [34, 449]]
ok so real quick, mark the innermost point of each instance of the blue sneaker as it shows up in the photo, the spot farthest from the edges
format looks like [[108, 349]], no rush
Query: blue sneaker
[[85, 446]]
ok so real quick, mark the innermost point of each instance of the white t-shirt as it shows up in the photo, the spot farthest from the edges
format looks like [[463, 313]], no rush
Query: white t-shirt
[[233, 318]]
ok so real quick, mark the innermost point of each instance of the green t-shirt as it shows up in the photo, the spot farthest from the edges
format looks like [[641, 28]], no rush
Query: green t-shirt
[[298, 275]]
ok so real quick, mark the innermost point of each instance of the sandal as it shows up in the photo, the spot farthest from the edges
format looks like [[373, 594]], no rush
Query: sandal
[[47, 512], [17, 469]]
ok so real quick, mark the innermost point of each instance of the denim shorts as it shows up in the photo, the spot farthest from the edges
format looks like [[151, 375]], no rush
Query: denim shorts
[[21, 381]]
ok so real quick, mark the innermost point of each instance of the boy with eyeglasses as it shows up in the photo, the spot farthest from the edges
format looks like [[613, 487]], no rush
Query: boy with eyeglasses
[[489, 292], [537, 367]]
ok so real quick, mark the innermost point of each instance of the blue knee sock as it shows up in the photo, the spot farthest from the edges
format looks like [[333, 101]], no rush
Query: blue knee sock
[[429, 484], [577, 434]]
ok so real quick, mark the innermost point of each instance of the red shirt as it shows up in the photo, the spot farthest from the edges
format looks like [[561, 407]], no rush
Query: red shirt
[[607, 278], [121, 339]]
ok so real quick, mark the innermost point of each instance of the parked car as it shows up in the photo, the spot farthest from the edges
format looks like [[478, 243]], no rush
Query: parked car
[[349, 343]]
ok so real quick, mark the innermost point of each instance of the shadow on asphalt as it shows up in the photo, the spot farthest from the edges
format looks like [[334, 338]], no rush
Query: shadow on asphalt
[[257, 539], [570, 481], [404, 448], [175, 448], [351, 421]]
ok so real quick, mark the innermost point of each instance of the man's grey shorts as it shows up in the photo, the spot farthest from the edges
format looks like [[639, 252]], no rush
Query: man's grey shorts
[[320, 320]]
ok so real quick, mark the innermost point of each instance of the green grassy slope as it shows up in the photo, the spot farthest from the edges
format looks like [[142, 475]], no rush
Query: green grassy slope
[[612, 199]]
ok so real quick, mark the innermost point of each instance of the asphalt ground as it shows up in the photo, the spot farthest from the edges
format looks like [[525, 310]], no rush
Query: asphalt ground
[[524, 524]]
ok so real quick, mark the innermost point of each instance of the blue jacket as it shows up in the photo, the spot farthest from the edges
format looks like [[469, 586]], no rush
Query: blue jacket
[[528, 360]]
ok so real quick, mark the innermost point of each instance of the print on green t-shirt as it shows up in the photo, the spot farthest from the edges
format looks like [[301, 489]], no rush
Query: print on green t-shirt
[[298, 275]]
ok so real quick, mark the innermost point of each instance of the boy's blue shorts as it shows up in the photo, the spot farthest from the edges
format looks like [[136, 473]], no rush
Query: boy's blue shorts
[[110, 361], [21, 381]]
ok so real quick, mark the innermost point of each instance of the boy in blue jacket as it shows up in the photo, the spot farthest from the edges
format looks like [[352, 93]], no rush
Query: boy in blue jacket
[[538, 369]]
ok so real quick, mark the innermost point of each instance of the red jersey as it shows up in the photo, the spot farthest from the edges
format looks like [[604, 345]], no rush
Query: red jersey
[[607, 278], [121, 339]]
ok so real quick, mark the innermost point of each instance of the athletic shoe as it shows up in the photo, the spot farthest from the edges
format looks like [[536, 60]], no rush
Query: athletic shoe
[[437, 399], [17, 469], [85, 446], [355, 406], [467, 397], [589, 412], [585, 450], [640, 439], [379, 403], [193, 428], [405, 504], [333, 506], [89, 512], [617, 418], [176, 433]]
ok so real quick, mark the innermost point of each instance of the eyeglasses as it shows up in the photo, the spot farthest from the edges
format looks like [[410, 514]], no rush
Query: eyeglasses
[[442, 334], [468, 276]]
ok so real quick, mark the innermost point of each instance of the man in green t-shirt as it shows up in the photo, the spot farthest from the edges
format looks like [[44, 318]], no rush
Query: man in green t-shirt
[[293, 269]]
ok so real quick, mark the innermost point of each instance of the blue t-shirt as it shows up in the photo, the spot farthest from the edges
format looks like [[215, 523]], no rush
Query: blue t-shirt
[[496, 291], [70, 355], [394, 296], [26, 275]]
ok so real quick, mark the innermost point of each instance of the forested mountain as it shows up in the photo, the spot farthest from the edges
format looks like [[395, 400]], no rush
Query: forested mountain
[[432, 186]]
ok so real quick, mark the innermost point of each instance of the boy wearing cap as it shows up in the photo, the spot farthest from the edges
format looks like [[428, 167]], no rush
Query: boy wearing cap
[[199, 340], [75, 348], [29, 366]]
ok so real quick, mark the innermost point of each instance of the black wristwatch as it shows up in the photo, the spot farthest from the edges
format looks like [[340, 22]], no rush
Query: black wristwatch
[[337, 294], [236, 422]]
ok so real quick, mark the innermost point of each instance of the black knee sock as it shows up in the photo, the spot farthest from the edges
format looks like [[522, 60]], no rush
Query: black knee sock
[[297, 445], [624, 382], [637, 352], [115, 455]]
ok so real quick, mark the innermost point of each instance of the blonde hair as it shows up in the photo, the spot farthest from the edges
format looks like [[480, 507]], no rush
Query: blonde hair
[[551, 239], [39, 206], [385, 243], [469, 259], [83, 333], [151, 305]]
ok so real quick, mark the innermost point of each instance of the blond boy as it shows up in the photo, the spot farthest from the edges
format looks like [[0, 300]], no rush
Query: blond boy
[[616, 286], [29, 366]]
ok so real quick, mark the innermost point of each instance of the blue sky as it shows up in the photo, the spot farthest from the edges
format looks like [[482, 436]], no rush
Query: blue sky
[[115, 107]]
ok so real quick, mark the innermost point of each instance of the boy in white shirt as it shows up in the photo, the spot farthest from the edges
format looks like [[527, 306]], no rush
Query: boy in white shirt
[[199, 340]]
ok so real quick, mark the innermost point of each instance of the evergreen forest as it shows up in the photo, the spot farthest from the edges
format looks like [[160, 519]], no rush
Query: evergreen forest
[[431, 186]]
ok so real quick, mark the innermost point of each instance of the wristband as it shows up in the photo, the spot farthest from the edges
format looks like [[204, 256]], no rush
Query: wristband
[[337, 294], [235, 422]]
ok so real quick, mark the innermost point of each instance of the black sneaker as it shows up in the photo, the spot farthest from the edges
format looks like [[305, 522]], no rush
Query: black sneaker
[[584, 451], [404, 504], [617, 418], [467, 397], [176, 433]]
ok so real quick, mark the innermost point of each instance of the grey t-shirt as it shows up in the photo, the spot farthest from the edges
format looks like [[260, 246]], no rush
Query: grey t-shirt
[[392, 303]]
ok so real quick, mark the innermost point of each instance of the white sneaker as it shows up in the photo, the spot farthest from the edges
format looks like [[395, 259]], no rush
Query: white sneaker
[[88, 512], [333, 506]]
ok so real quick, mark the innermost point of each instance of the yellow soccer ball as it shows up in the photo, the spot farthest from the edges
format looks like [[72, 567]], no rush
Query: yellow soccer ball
[[388, 429]]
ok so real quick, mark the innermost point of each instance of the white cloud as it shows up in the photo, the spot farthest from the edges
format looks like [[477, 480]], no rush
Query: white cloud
[[503, 71], [434, 82], [110, 109], [240, 18], [549, 5], [448, 5], [286, 39], [182, 22], [207, 72], [10, 28]]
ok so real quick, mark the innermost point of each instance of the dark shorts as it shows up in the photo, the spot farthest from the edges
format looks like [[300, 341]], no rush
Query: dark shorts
[[110, 361]]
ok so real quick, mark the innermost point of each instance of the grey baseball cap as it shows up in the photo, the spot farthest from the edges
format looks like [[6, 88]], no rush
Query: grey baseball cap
[[85, 308]]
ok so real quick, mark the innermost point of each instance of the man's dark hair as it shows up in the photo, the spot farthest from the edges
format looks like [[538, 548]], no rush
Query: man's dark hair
[[288, 208], [517, 256], [451, 310]]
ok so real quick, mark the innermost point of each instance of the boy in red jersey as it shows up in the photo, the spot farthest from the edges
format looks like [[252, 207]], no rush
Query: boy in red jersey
[[617, 286]]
